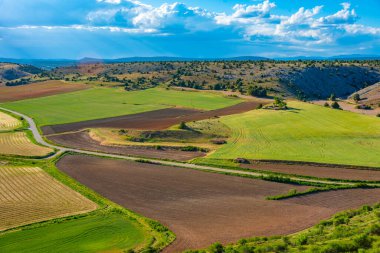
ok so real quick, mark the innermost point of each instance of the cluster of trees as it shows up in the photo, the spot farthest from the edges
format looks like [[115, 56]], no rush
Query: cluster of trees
[[257, 91], [17, 82]]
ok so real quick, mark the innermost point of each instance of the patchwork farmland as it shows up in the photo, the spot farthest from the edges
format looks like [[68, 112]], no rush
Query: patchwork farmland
[[162, 163]]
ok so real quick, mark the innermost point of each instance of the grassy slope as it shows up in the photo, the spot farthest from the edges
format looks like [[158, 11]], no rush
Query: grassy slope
[[93, 233], [107, 102], [350, 231], [307, 133]]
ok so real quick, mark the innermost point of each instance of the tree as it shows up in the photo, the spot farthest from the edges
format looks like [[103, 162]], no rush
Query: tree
[[332, 97], [257, 91], [182, 125], [356, 97], [335, 105], [280, 103]]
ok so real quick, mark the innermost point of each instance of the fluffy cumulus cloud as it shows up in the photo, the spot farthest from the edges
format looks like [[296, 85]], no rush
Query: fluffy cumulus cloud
[[257, 23], [305, 27], [167, 18]]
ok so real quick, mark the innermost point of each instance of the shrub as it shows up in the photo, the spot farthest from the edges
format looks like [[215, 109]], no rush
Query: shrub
[[338, 248], [356, 97], [302, 239], [279, 102], [192, 149], [335, 105], [340, 220], [375, 229], [326, 104], [182, 125], [216, 248], [241, 160], [257, 91], [363, 241]]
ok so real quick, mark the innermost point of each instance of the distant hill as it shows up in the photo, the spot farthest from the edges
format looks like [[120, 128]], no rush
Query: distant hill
[[54, 63], [12, 71], [330, 58]]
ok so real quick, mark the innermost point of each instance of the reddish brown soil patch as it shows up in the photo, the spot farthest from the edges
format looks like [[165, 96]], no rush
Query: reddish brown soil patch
[[202, 208], [82, 140], [40, 89], [317, 171], [153, 120]]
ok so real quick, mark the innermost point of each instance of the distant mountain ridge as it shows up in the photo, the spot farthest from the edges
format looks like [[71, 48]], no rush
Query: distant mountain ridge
[[53, 63]]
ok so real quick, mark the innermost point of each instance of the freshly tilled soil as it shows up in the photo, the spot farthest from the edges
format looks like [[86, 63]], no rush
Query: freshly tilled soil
[[82, 140], [202, 208], [35, 90], [320, 171]]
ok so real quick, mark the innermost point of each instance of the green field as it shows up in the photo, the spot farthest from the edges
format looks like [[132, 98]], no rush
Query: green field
[[305, 133], [94, 233], [109, 102]]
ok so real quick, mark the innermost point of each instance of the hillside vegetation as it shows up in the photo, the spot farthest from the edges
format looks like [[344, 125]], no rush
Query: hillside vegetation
[[301, 79], [350, 231], [12, 71], [306, 132]]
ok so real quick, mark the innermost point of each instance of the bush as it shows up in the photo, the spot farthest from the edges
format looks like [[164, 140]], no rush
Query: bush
[[326, 104], [241, 160], [216, 248], [340, 220], [363, 241], [375, 229], [182, 125], [257, 91], [356, 97], [302, 239], [335, 105], [280, 103], [338, 248]]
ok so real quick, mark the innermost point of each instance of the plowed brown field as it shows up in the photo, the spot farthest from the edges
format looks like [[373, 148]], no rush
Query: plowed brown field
[[34, 90], [202, 208], [82, 140], [321, 171]]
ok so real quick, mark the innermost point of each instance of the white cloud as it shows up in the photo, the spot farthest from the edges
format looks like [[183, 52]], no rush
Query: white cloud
[[177, 17], [245, 14], [255, 22], [86, 28], [346, 15]]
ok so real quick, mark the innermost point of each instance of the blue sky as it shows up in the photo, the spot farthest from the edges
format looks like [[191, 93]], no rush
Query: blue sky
[[193, 28]]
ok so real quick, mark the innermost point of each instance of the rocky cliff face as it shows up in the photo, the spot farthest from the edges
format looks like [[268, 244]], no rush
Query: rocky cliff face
[[321, 82]]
